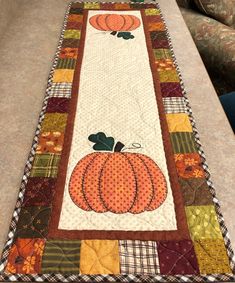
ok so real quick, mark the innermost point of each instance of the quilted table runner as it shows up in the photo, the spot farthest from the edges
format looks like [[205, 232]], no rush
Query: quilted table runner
[[116, 187]]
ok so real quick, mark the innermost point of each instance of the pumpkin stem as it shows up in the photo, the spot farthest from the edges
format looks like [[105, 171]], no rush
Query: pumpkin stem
[[118, 147]]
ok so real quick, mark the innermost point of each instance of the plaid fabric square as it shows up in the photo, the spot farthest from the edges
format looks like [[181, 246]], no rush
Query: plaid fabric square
[[174, 105], [61, 90], [61, 256], [138, 257], [45, 165]]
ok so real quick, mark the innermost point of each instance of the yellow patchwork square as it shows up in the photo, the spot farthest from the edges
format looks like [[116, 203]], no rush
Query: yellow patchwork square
[[212, 256], [99, 257], [178, 122], [54, 122], [168, 76], [203, 223], [152, 12], [72, 33], [63, 76], [91, 5]]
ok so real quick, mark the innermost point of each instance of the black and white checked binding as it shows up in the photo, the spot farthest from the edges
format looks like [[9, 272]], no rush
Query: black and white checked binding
[[122, 278]]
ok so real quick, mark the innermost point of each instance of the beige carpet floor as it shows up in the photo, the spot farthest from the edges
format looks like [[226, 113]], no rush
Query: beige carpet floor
[[29, 32]]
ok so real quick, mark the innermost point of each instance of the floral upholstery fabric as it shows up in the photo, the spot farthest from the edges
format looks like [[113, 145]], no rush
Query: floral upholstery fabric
[[215, 42], [221, 10]]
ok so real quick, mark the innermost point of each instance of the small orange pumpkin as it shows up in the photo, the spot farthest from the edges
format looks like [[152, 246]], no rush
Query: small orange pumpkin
[[114, 22], [117, 181]]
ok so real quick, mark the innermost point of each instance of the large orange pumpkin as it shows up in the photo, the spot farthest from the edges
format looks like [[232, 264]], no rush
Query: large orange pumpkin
[[114, 22], [119, 182]]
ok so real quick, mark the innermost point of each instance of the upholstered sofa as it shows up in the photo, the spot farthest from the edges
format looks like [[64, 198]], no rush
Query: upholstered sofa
[[212, 26]]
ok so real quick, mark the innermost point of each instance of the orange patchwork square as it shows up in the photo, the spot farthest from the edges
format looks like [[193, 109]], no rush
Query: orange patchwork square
[[188, 165], [164, 65], [156, 26], [120, 6], [75, 18], [178, 122], [69, 53], [50, 142], [25, 256]]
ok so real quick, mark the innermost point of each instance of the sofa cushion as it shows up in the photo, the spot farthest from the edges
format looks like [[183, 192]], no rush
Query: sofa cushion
[[185, 3], [221, 10], [215, 42]]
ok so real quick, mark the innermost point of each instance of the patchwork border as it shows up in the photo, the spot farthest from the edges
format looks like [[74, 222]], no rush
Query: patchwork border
[[113, 278]]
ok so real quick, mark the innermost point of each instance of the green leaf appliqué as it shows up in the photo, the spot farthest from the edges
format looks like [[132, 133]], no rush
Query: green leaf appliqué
[[101, 141], [125, 35]]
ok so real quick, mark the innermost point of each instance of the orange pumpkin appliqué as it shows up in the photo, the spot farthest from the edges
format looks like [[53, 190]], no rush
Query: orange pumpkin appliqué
[[118, 182], [114, 22]]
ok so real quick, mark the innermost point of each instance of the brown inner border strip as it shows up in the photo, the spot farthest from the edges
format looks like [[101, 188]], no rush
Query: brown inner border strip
[[182, 228]]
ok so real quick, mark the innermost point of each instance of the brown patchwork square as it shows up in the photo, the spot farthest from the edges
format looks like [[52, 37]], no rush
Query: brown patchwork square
[[69, 43], [195, 191], [159, 39]]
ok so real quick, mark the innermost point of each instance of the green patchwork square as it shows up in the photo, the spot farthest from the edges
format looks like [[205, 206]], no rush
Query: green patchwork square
[[183, 142], [61, 256], [33, 222], [45, 165], [91, 5], [72, 33], [203, 223], [54, 122], [168, 76], [67, 63], [151, 12], [162, 53]]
